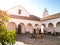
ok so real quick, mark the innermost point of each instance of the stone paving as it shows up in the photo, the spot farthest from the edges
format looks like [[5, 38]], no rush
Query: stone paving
[[46, 40]]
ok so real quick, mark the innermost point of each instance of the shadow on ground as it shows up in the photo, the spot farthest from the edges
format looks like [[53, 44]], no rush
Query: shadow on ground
[[46, 40]]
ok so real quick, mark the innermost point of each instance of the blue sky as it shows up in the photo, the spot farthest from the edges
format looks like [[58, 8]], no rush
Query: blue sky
[[53, 6], [35, 7]]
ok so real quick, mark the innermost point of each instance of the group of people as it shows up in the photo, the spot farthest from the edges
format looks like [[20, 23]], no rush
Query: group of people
[[37, 33]]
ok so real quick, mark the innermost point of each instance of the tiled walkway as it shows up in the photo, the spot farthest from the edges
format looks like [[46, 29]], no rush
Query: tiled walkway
[[46, 40]]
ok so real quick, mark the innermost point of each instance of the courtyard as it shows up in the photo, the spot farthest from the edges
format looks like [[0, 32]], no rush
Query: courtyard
[[25, 39]]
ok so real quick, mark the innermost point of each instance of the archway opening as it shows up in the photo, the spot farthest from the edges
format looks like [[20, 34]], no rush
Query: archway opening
[[11, 26], [50, 28], [29, 28], [21, 28], [57, 29], [36, 28], [45, 29]]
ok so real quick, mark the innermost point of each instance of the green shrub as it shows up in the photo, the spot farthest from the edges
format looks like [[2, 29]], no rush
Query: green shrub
[[7, 37]]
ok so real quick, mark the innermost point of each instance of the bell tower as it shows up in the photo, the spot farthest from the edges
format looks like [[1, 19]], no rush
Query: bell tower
[[45, 13]]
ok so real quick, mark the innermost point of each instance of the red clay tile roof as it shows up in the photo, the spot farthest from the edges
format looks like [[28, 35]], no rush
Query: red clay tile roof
[[50, 17], [32, 17]]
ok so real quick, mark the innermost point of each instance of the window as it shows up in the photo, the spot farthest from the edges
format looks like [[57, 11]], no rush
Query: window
[[19, 11]]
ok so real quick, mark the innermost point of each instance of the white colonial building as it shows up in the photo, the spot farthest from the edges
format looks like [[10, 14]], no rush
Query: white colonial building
[[51, 23], [24, 22]]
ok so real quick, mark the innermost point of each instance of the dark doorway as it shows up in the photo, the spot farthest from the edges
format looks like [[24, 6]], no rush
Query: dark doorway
[[19, 29]]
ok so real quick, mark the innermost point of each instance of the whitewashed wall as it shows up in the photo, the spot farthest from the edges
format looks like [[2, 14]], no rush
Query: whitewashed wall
[[15, 11], [25, 22], [53, 21]]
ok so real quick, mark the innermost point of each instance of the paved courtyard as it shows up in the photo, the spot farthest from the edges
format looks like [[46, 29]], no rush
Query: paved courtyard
[[46, 40]]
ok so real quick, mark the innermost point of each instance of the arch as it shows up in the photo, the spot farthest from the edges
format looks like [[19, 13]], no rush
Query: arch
[[57, 29], [50, 28], [44, 25], [45, 29], [11, 26], [29, 28], [50, 24], [36, 26], [21, 28], [21, 23], [57, 23]]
